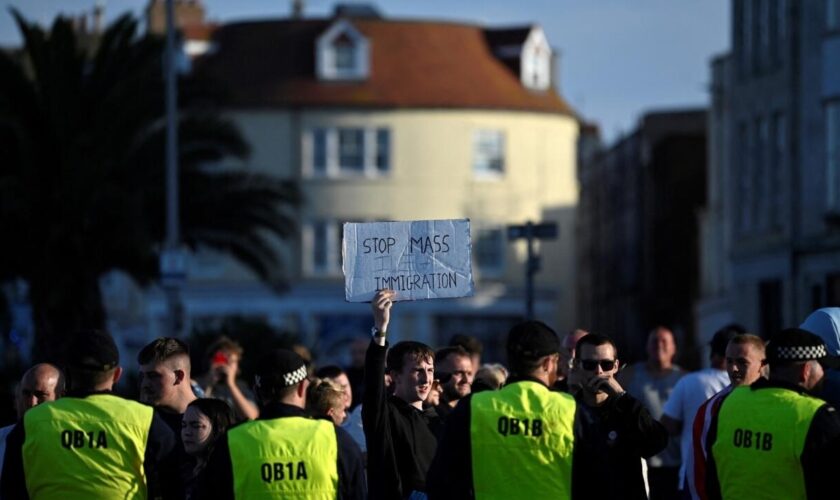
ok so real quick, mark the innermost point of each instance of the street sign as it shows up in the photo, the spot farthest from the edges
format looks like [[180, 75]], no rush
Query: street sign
[[543, 231], [173, 267]]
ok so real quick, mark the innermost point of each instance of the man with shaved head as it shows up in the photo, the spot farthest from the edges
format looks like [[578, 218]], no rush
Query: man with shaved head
[[41, 383], [165, 384], [165, 376]]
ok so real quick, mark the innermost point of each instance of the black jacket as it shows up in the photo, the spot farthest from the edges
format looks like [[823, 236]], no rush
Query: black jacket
[[604, 465], [162, 480], [401, 440], [216, 480], [615, 437]]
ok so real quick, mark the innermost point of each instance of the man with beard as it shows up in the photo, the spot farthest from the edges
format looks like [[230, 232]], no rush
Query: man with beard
[[773, 439], [454, 369], [401, 435]]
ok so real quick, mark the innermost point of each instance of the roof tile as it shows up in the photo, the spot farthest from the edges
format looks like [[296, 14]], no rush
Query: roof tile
[[416, 64]]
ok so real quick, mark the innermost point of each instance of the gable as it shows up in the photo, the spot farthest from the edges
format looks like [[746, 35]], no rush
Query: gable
[[342, 53]]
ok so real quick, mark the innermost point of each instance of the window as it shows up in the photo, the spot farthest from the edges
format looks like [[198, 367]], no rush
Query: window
[[345, 53], [323, 247], [778, 29], [782, 16], [832, 14], [743, 195], [832, 153], [760, 178], [816, 297], [744, 34], [319, 153], [351, 154], [489, 153], [489, 248], [762, 16], [777, 175], [770, 307], [347, 151], [342, 53], [832, 290], [383, 148]]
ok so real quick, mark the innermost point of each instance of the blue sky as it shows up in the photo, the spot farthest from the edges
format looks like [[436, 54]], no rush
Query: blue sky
[[618, 58]]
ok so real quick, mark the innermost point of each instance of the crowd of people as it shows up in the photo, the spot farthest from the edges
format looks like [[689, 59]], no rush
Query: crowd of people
[[564, 418]]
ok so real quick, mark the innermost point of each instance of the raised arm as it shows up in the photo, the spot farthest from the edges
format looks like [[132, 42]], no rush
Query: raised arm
[[373, 404]]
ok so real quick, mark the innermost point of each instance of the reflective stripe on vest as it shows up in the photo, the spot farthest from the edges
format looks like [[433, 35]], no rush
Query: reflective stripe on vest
[[290, 457], [522, 440], [760, 437], [90, 447]]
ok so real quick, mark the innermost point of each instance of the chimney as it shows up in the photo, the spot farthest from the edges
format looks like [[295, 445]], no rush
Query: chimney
[[98, 15], [187, 13], [297, 9]]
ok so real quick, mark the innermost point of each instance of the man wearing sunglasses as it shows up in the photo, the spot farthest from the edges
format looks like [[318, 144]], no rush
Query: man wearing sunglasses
[[617, 428]]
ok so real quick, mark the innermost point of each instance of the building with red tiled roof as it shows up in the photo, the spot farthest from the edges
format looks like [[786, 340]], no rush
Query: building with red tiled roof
[[413, 64], [381, 119]]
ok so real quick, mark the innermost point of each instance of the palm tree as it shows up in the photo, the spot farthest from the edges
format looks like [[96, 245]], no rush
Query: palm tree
[[82, 175]]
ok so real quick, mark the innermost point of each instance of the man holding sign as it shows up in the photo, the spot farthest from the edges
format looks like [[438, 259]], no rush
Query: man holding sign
[[400, 434]]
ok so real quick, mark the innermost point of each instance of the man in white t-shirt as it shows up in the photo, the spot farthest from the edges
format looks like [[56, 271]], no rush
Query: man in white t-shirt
[[692, 391]]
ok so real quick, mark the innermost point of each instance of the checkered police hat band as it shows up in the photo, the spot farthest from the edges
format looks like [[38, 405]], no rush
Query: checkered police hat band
[[294, 377], [800, 353]]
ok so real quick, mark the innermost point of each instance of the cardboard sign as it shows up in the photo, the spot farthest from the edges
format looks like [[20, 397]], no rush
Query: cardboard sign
[[427, 259]]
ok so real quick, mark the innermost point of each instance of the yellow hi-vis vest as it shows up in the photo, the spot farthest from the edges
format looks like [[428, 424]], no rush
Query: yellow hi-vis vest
[[522, 440], [90, 448], [289, 457], [760, 437]]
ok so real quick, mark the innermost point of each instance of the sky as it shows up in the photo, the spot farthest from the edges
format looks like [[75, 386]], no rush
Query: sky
[[618, 59]]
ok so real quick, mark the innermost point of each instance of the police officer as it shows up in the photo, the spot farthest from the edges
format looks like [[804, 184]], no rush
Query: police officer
[[772, 439], [285, 453], [517, 442], [90, 443]]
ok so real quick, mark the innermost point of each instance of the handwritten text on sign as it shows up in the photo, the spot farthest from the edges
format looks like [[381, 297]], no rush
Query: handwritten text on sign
[[419, 259]]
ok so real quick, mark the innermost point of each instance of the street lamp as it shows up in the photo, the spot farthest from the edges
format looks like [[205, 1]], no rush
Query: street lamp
[[172, 259]]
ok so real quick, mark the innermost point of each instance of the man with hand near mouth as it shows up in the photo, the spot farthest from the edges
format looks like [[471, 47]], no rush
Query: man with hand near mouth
[[401, 435], [618, 429], [454, 369]]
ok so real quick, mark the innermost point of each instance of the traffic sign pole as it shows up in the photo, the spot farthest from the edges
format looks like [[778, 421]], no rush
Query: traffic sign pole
[[529, 232]]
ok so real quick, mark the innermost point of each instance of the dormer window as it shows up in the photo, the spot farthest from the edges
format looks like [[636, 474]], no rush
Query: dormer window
[[536, 61], [342, 53]]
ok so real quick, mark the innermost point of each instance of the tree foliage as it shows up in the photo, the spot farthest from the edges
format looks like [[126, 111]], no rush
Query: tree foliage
[[82, 190]]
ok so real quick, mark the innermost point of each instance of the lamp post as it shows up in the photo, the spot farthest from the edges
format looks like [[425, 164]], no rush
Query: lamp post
[[172, 258]]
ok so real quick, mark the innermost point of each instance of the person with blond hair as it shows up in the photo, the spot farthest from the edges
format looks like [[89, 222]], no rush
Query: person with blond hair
[[490, 377], [326, 400]]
